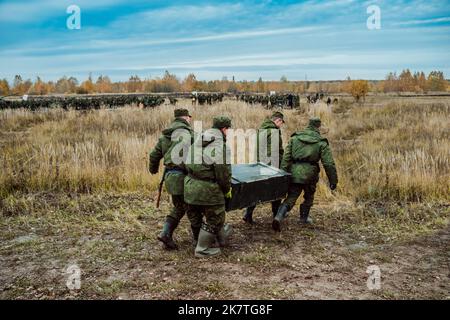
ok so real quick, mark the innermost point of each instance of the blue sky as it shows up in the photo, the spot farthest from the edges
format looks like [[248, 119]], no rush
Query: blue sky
[[320, 40]]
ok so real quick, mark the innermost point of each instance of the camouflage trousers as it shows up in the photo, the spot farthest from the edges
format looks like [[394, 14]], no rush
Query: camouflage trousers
[[179, 208], [214, 217], [295, 191]]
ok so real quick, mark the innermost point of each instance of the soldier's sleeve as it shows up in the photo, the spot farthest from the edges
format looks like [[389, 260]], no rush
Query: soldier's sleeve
[[269, 142], [155, 157], [223, 176], [222, 171], [286, 162], [281, 150], [182, 165], [328, 163]]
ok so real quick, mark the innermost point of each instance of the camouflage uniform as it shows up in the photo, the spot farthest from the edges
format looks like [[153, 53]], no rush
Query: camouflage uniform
[[206, 185], [301, 159], [268, 125], [174, 173]]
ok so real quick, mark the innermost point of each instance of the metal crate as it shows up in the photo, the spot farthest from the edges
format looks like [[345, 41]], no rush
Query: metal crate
[[256, 183]]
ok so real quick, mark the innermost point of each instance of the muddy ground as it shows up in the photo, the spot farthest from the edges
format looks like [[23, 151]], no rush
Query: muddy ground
[[112, 239]]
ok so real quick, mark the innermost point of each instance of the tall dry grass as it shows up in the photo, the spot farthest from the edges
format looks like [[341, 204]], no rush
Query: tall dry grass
[[396, 151]]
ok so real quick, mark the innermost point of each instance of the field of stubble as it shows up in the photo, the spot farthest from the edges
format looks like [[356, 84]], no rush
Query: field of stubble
[[74, 189]]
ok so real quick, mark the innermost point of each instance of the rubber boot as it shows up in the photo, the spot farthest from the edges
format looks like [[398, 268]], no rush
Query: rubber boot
[[166, 234], [224, 234], [275, 207], [195, 232], [205, 244], [248, 215], [304, 216], [281, 214]]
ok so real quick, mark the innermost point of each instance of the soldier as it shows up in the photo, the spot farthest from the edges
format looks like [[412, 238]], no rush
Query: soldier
[[207, 185], [173, 101], [275, 122], [290, 101], [174, 173], [301, 159]]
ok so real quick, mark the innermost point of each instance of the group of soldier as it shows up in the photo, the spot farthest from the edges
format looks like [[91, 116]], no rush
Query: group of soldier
[[200, 189], [206, 98], [311, 99], [288, 100]]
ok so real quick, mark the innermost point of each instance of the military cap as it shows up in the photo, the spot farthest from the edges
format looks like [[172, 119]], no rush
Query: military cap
[[221, 122], [278, 114], [315, 122], [181, 113]]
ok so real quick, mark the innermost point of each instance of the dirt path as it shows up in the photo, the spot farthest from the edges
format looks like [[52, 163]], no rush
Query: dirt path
[[112, 240]]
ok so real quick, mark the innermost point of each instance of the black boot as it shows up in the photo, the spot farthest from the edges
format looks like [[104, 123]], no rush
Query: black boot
[[248, 216], [304, 216], [281, 214], [166, 234]]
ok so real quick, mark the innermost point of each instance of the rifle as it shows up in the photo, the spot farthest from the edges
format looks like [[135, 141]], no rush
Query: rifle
[[161, 183]]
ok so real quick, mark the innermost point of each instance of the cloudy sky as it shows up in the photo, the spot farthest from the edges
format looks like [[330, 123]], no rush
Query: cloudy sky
[[320, 40]]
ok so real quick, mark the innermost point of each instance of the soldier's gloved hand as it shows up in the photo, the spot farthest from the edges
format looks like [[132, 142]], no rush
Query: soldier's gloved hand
[[333, 186], [228, 195], [153, 170]]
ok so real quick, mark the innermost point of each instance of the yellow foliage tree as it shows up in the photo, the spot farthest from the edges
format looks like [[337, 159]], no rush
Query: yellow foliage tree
[[88, 86], [4, 87], [190, 83], [359, 89], [103, 84]]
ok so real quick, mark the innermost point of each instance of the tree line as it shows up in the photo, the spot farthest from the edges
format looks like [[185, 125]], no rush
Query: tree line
[[407, 81]]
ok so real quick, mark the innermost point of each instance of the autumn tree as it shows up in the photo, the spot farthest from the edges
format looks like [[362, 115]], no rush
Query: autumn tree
[[17, 85], [21, 87], [103, 84], [170, 82], [420, 82], [134, 84], [359, 89], [87, 86], [224, 84], [391, 83], [39, 87], [4, 87], [66, 85], [436, 81], [346, 85], [26, 85], [190, 83], [260, 86], [406, 81], [211, 86]]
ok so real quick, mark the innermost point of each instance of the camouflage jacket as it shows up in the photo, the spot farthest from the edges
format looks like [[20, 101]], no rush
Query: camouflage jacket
[[303, 153], [269, 125], [209, 177], [174, 180]]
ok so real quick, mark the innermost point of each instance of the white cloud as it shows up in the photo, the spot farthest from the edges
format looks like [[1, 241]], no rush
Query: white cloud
[[120, 44], [30, 11], [177, 17], [212, 37], [423, 21], [191, 12]]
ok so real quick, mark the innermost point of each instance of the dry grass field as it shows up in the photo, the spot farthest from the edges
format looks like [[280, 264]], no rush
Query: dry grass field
[[74, 189]]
